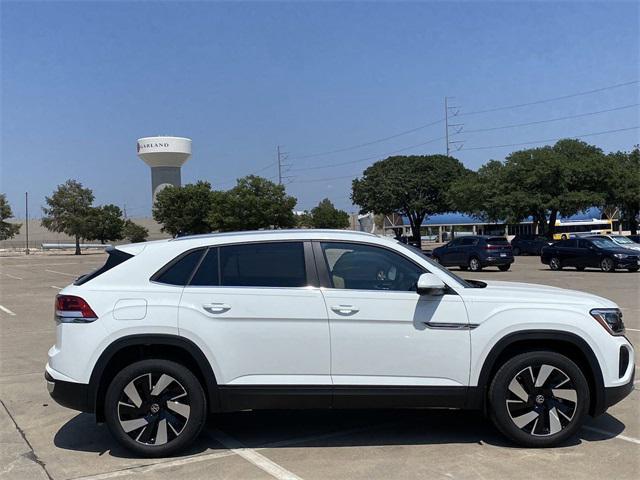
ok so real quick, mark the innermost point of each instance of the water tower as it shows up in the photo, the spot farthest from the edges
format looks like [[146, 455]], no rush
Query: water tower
[[165, 156]]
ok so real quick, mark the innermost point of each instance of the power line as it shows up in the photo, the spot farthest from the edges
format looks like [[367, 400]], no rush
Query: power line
[[538, 122], [372, 142], [327, 179], [373, 157], [486, 147], [552, 99]]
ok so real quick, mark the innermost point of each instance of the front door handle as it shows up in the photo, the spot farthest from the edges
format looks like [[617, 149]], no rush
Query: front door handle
[[216, 307], [344, 309]]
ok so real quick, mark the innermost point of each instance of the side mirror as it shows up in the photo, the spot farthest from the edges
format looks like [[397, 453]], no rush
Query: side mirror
[[430, 284]]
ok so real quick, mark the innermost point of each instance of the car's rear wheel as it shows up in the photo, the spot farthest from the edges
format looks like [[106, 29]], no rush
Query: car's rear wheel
[[474, 264], [633, 269], [607, 265], [155, 407], [555, 264], [539, 399], [504, 268], [580, 269]]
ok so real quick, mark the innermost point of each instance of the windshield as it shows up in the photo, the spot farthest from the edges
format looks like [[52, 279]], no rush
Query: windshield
[[620, 239], [437, 266], [603, 243]]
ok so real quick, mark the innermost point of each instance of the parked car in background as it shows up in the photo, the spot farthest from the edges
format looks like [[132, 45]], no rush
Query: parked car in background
[[529, 244], [635, 238], [474, 252], [623, 242], [590, 252]]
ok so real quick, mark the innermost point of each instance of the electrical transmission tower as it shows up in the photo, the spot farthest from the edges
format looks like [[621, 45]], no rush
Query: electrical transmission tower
[[282, 166], [452, 112]]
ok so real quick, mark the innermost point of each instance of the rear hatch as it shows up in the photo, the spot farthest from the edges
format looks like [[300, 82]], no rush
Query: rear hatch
[[498, 247]]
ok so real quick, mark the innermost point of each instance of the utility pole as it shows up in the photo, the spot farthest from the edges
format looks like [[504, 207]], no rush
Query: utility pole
[[279, 166], [453, 111], [26, 221]]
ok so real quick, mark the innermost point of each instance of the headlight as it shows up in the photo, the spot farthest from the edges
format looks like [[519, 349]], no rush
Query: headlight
[[620, 255], [609, 318]]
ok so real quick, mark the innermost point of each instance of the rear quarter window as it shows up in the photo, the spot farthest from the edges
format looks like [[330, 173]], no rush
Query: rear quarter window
[[179, 270]]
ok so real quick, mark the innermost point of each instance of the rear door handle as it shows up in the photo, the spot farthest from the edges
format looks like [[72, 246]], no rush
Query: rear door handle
[[216, 307], [344, 309]]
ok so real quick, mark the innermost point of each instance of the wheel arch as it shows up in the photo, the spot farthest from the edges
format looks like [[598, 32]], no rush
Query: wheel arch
[[132, 348], [566, 343]]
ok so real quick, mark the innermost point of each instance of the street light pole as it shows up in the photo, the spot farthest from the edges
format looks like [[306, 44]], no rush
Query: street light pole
[[26, 221]]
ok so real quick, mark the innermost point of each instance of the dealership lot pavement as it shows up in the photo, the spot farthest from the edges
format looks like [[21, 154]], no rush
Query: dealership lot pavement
[[40, 440]]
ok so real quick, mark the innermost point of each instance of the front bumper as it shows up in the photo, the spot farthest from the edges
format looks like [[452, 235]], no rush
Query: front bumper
[[613, 395], [69, 394], [627, 263]]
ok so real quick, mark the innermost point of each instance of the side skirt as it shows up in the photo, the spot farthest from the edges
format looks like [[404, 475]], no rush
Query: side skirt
[[267, 397]]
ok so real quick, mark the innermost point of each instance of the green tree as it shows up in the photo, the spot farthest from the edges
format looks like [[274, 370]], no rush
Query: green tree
[[7, 230], [104, 223], [413, 186], [184, 210], [326, 215], [254, 203], [67, 210], [541, 183], [622, 185], [134, 233], [304, 220]]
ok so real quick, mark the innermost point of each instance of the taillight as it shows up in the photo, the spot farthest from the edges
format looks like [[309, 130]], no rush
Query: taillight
[[72, 309]]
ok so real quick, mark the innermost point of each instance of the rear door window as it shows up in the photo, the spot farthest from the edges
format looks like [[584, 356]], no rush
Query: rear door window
[[270, 264]]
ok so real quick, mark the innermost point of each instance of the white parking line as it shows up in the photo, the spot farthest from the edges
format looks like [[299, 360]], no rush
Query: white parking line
[[157, 466], [62, 273], [250, 455], [632, 329], [6, 310], [606, 432], [57, 288], [13, 276]]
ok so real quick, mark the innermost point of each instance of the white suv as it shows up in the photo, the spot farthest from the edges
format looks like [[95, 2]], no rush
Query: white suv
[[168, 331]]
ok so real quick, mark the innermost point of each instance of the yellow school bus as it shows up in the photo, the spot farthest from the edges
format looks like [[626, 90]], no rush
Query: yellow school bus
[[577, 228]]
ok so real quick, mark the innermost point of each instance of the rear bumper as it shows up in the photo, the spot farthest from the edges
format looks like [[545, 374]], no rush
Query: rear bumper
[[488, 261], [69, 394]]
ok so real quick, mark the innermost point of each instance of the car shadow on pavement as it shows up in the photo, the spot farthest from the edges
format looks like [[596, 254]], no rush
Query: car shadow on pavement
[[329, 429]]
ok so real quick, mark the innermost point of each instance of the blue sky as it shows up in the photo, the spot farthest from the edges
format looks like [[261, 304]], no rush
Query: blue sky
[[81, 81]]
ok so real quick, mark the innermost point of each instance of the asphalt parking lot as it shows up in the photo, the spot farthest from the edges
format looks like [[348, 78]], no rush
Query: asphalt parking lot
[[40, 440]]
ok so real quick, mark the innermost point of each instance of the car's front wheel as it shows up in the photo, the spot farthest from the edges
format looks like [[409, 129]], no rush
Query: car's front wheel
[[504, 268], [155, 407], [538, 399], [607, 265]]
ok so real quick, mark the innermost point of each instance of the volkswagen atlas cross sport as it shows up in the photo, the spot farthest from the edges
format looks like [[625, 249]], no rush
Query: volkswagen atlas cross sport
[[169, 331]]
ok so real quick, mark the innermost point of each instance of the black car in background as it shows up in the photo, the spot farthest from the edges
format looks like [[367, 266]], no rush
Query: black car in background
[[529, 244], [590, 252], [635, 238], [474, 252]]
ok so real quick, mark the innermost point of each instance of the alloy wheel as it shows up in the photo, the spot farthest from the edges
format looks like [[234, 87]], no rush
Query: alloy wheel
[[474, 264], [153, 409], [541, 400], [606, 265], [554, 263]]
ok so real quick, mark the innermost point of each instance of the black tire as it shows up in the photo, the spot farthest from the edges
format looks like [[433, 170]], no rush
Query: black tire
[[435, 259], [180, 404], [580, 269], [516, 251], [633, 269], [555, 263], [541, 416], [504, 268], [607, 264], [474, 264]]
